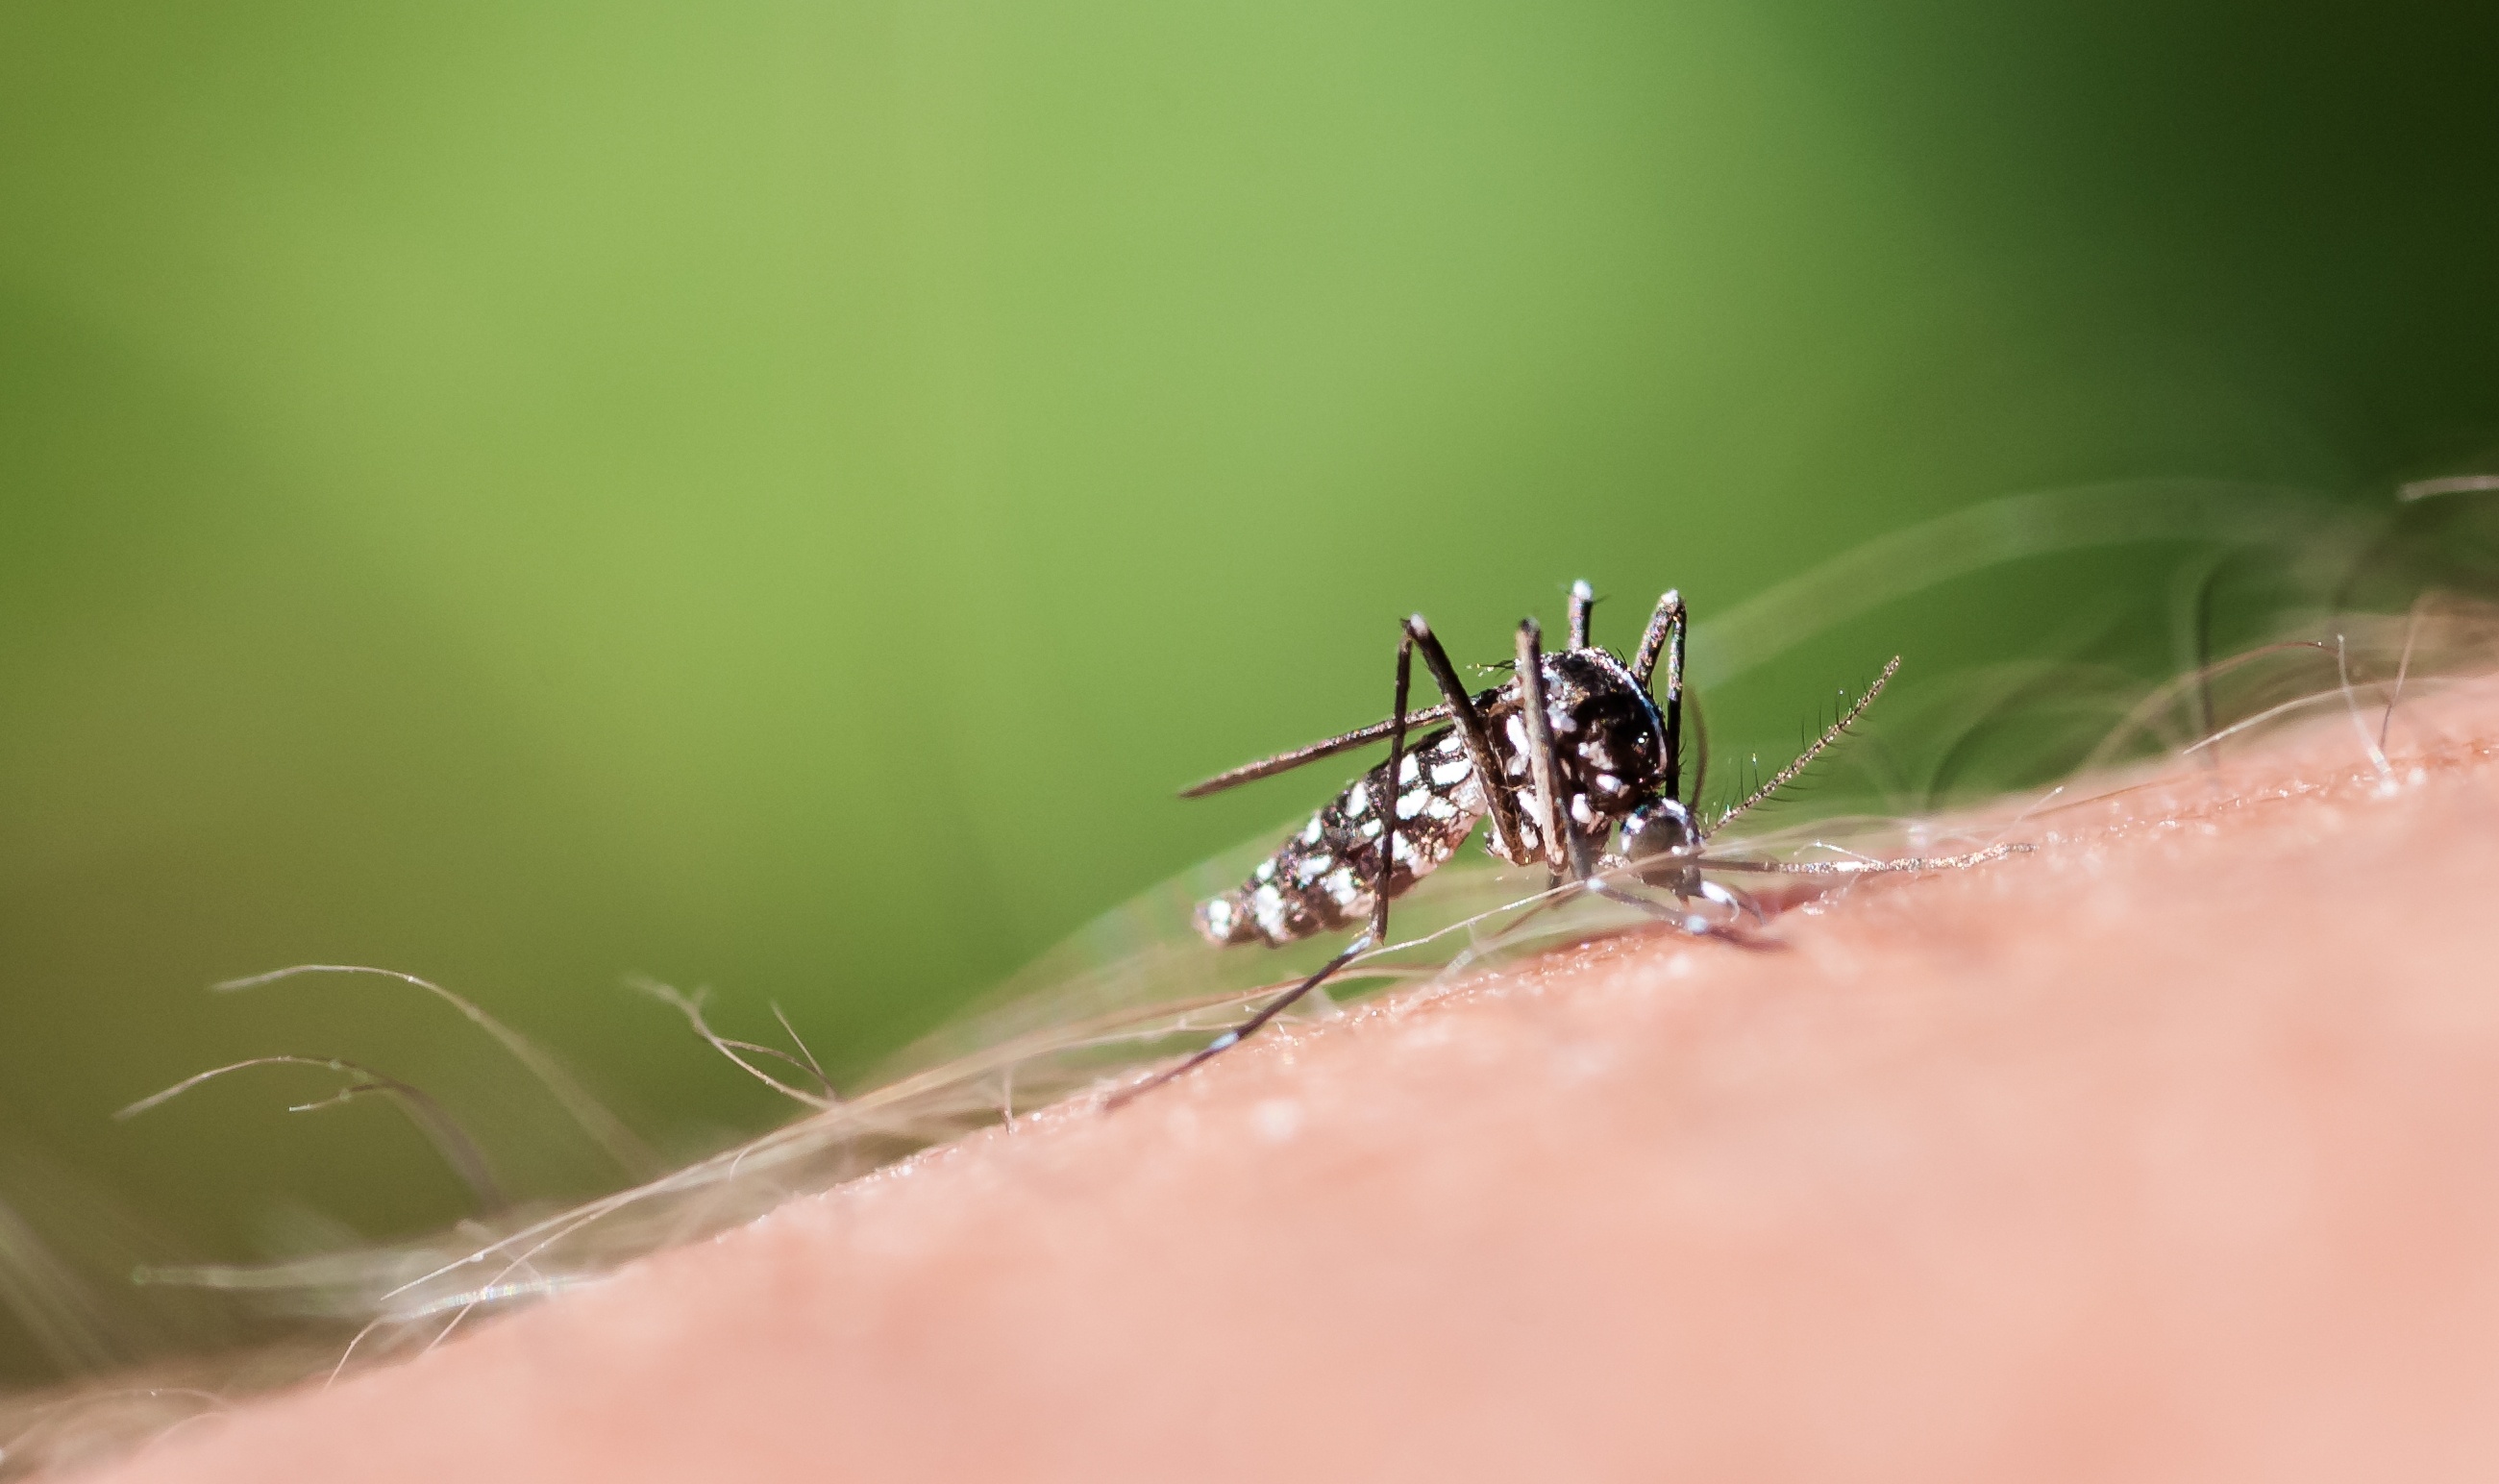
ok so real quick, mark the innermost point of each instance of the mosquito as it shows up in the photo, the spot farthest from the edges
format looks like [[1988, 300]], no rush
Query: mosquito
[[1574, 753]]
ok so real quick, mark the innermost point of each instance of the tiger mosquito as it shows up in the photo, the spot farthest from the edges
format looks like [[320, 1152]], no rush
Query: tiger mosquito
[[1579, 750]]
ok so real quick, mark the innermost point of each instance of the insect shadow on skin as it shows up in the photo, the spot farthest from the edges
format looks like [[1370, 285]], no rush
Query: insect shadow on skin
[[1572, 754]]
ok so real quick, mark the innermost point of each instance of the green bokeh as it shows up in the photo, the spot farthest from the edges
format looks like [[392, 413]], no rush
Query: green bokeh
[[775, 495]]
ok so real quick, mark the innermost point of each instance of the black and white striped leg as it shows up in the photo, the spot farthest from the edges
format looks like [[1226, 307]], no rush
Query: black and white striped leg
[[1372, 937]]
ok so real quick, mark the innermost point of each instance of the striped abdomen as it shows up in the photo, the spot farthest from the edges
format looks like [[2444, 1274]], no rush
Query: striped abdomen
[[1324, 876]]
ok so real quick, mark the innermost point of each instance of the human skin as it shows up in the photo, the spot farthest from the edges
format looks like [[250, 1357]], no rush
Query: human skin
[[2168, 1150]]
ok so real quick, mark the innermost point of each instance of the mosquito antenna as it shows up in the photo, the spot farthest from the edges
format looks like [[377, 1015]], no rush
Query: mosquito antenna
[[1832, 733], [630, 1152], [431, 1118]]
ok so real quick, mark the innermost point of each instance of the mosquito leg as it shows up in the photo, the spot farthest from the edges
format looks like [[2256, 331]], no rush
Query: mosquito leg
[[1378, 933], [1734, 901], [1665, 636], [1691, 922], [1564, 845], [1243, 1031], [1498, 800], [1700, 756], [1667, 622], [1280, 763], [1539, 735], [1387, 807], [1583, 599]]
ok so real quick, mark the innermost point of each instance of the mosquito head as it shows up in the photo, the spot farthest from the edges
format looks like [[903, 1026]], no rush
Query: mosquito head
[[1662, 826], [1661, 839]]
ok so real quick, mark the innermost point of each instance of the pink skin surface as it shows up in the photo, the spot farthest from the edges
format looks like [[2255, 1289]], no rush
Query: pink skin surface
[[2167, 1152]]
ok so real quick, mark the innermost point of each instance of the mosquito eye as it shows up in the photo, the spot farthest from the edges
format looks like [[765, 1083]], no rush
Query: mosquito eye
[[1660, 827]]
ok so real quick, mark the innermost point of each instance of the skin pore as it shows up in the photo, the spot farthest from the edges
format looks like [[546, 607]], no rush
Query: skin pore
[[2168, 1150]]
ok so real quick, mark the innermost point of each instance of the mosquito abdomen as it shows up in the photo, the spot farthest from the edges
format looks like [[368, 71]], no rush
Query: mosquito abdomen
[[1324, 876]]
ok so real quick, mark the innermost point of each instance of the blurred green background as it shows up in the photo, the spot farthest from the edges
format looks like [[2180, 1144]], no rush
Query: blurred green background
[[776, 494]]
